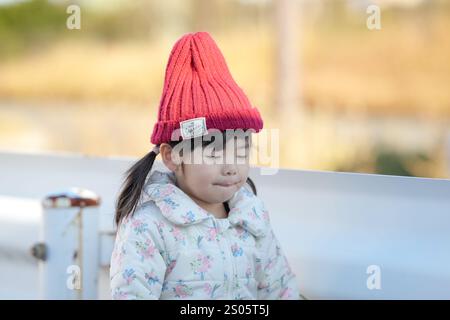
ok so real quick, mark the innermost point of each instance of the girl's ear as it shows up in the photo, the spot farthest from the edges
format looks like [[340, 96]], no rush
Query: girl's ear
[[169, 158]]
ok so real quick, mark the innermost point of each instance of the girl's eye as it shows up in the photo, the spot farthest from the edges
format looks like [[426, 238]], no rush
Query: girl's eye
[[214, 156]]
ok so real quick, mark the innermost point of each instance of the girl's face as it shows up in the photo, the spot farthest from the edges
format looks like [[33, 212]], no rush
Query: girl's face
[[222, 170]]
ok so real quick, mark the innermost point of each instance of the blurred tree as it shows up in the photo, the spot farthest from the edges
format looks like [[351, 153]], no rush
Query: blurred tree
[[30, 24], [391, 163], [287, 55]]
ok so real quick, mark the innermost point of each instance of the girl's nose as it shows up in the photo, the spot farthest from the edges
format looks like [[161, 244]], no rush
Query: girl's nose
[[230, 170]]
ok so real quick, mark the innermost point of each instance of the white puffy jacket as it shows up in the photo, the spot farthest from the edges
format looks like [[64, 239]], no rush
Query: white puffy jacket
[[171, 248]]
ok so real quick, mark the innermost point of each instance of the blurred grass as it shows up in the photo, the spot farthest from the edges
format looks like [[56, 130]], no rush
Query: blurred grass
[[399, 70], [105, 81], [402, 69]]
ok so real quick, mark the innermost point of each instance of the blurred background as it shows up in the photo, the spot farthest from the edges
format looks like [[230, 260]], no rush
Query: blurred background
[[346, 98]]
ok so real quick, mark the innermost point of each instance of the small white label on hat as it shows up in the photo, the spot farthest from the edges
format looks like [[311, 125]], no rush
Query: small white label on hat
[[193, 128]]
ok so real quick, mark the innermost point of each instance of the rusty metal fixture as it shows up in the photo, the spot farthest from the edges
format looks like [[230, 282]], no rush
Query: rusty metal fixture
[[73, 197], [39, 251]]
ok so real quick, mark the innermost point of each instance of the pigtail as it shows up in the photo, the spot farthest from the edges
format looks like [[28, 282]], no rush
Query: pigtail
[[252, 185], [132, 186]]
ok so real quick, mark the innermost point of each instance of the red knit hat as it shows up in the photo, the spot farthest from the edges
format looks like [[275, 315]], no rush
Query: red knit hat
[[199, 93]]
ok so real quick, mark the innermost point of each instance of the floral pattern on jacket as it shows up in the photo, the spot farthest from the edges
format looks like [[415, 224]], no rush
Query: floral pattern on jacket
[[171, 248]]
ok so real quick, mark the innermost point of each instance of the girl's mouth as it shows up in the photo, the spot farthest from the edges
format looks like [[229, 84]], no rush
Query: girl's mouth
[[226, 184]]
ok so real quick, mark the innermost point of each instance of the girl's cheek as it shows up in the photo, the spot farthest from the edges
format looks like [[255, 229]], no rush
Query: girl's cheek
[[244, 169], [207, 173]]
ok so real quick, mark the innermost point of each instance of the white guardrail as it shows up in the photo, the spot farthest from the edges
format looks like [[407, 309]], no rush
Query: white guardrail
[[346, 235]]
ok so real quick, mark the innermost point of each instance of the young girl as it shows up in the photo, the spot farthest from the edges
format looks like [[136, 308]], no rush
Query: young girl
[[198, 230]]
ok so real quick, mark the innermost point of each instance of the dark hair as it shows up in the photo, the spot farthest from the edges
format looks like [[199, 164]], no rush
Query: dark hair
[[135, 180]]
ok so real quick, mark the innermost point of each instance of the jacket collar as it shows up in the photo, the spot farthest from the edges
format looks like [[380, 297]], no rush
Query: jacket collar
[[246, 210]]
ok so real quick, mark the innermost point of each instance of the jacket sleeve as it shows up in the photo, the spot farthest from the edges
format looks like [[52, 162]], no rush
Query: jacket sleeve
[[137, 266], [275, 277]]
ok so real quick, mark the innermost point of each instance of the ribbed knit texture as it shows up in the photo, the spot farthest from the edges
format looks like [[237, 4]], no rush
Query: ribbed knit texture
[[198, 84]]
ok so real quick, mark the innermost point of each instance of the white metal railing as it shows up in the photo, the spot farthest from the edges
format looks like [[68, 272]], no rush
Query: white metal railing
[[347, 235]]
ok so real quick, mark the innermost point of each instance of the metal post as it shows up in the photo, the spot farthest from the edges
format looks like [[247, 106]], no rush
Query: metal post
[[69, 252]]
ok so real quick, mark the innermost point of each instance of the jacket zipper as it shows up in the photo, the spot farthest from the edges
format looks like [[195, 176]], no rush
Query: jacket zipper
[[233, 263]]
